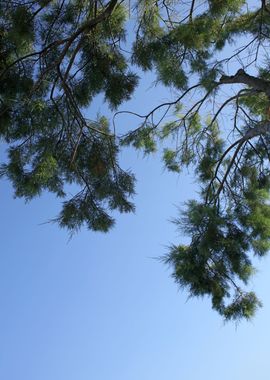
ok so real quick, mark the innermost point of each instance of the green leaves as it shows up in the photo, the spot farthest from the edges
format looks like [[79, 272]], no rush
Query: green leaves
[[142, 138], [215, 260], [55, 60], [218, 7], [21, 32], [243, 306], [83, 209], [119, 87], [170, 160], [170, 74], [221, 240]]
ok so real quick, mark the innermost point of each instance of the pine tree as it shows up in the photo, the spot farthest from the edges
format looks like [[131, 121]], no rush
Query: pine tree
[[57, 55]]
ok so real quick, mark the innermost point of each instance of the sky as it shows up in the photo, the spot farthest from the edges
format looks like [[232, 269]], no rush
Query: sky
[[103, 306]]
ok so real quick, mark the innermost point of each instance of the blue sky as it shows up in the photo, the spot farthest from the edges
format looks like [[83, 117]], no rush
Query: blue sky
[[102, 306]]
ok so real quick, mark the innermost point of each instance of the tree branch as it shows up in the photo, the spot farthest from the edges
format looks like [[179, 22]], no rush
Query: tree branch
[[241, 76]]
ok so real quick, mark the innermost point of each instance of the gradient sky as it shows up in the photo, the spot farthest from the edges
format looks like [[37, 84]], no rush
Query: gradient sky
[[102, 306]]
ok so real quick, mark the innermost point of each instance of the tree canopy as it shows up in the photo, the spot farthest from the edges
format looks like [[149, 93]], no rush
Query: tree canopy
[[56, 56]]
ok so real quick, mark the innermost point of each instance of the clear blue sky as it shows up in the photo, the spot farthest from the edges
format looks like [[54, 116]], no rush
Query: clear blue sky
[[103, 307]]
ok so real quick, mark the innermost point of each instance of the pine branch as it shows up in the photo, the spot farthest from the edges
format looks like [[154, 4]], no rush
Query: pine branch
[[241, 76], [261, 129]]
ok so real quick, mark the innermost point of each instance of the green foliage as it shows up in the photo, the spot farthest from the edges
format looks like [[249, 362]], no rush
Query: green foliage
[[42, 97], [215, 259], [142, 138], [218, 7], [169, 157], [257, 105]]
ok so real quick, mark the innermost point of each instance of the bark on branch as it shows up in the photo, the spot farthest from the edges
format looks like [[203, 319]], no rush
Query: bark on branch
[[241, 76]]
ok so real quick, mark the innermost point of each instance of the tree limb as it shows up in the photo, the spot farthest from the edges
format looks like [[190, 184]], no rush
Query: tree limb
[[241, 76]]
